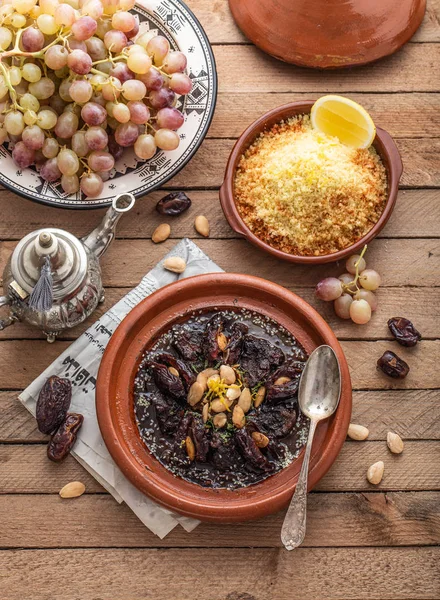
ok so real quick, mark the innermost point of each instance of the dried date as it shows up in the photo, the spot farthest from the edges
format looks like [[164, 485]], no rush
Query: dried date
[[404, 331], [392, 365], [173, 204], [53, 404], [64, 438]]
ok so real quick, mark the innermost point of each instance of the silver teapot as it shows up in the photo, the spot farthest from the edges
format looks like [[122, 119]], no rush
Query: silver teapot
[[52, 280]]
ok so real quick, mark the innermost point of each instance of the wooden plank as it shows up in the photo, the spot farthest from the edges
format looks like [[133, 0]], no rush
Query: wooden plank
[[245, 574], [413, 414], [417, 215], [27, 470], [392, 301], [369, 519], [400, 262], [219, 24], [21, 362]]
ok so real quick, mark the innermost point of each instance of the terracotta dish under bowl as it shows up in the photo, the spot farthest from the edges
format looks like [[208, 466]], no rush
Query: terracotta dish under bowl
[[115, 401], [328, 34], [383, 143]]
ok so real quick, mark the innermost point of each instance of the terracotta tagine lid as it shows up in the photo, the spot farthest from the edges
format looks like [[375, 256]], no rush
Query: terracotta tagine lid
[[328, 34]]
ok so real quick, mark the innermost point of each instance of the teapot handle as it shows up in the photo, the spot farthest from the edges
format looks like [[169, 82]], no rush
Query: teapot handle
[[10, 319]]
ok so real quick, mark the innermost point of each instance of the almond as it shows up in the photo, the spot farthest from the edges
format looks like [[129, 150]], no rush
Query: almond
[[203, 376], [375, 472], [74, 489], [394, 443], [259, 396], [222, 341], [161, 233], [202, 225], [260, 439], [195, 393], [220, 420], [245, 400], [227, 373], [174, 264], [233, 392], [282, 380], [238, 417], [173, 371], [190, 448], [357, 432], [205, 412], [219, 406]]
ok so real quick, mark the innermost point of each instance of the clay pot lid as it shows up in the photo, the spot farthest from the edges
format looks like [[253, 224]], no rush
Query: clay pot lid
[[328, 34]]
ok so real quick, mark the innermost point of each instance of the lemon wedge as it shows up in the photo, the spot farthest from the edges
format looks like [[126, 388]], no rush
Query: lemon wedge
[[345, 119]]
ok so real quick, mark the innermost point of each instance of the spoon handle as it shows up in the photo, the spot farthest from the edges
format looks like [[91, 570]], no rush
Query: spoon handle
[[294, 526]]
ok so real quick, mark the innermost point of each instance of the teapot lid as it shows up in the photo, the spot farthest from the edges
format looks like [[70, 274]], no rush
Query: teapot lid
[[68, 260]]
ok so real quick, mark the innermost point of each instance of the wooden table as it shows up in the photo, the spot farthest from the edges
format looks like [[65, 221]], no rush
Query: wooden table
[[363, 542]]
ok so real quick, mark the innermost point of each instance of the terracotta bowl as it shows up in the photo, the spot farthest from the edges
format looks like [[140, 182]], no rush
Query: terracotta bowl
[[384, 145], [115, 402], [328, 34]]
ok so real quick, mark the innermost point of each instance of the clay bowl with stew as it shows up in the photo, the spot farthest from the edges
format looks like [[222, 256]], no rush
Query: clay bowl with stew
[[115, 395], [384, 145]]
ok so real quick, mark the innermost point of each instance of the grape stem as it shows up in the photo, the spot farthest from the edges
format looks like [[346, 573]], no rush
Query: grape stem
[[347, 286]]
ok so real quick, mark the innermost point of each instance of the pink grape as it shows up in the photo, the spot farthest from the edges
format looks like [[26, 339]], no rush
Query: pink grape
[[68, 162], [91, 185], [368, 296], [32, 39], [115, 41], [33, 137], [175, 62], [64, 91], [121, 72], [67, 125], [158, 47], [134, 89], [135, 30], [96, 49], [70, 183], [139, 112], [360, 312], [79, 62], [346, 279], [79, 144], [80, 91], [50, 171], [93, 113], [350, 265], [121, 113], [370, 279], [96, 139], [84, 28], [42, 89], [171, 118], [342, 306], [101, 161], [162, 98], [126, 134], [166, 140], [77, 45], [152, 79], [93, 8], [145, 146], [56, 57], [57, 103], [114, 148], [64, 15], [123, 21], [180, 83], [72, 107], [329, 289], [50, 148], [98, 99], [23, 155]]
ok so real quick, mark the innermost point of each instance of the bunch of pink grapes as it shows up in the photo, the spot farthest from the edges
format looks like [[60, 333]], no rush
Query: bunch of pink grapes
[[352, 293], [79, 83]]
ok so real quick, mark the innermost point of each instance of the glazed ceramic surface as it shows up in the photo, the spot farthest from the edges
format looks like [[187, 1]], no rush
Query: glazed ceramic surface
[[115, 401], [328, 34], [384, 145], [172, 19]]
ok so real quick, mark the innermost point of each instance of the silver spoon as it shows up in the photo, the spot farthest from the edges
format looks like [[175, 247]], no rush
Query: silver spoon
[[318, 397]]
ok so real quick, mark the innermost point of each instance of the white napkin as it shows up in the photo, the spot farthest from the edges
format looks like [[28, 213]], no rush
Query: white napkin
[[80, 363]]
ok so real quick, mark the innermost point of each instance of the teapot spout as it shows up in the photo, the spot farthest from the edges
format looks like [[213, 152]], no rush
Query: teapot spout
[[102, 236]]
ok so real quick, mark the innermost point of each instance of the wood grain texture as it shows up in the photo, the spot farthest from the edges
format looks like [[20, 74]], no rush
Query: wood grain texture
[[26, 469], [352, 519], [245, 574]]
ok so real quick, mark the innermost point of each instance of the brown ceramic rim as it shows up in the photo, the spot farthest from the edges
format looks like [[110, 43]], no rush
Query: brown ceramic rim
[[384, 145], [114, 395]]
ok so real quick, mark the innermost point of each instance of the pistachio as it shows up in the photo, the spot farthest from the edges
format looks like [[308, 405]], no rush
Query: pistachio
[[222, 341], [357, 432], [173, 371], [74, 489], [259, 396], [260, 439], [220, 420], [205, 412], [233, 392], [245, 400], [195, 393], [219, 406], [203, 376], [375, 472], [161, 233], [238, 417], [394, 443], [190, 448], [202, 225], [227, 373], [174, 264], [282, 380]]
